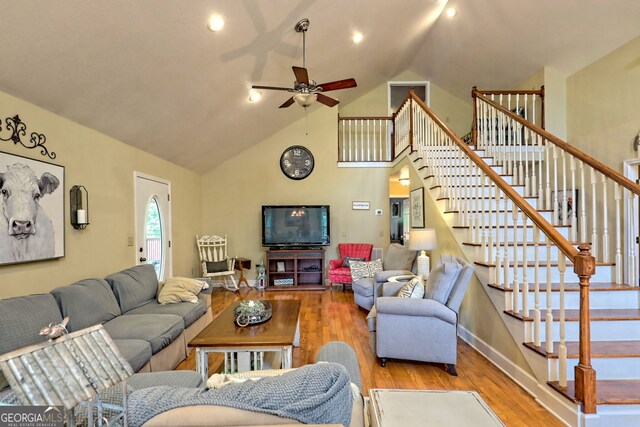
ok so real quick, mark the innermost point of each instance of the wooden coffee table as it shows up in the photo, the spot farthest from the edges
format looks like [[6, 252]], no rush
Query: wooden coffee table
[[244, 348]]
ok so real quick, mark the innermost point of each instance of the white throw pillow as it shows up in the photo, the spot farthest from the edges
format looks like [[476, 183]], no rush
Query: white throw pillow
[[441, 281], [413, 289], [180, 289], [362, 269]]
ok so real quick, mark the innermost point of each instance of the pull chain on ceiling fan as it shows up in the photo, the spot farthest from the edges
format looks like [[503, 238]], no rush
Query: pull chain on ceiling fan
[[308, 91]]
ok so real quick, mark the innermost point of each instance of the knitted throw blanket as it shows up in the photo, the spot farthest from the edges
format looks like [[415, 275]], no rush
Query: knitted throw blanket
[[312, 394]]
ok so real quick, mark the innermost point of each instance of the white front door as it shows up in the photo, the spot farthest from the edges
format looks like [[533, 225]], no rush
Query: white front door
[[153, 223]]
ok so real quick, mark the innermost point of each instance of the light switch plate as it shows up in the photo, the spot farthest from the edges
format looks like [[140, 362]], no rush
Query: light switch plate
[[378, 212]]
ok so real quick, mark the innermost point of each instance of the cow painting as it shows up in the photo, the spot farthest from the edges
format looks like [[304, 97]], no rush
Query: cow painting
[[26, 232]]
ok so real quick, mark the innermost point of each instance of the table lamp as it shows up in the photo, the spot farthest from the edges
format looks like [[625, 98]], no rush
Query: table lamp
[[422, 240]]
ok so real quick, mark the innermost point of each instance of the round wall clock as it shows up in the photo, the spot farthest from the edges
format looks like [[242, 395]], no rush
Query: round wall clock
[[297, 162]]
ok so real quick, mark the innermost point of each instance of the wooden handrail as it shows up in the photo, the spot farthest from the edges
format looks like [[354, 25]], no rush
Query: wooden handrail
[[509, 92], [598, 166], [567, 248], [366, 118]]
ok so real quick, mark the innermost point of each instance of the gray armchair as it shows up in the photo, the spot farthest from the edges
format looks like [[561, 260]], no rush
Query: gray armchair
[[398, 261], [423, 329]]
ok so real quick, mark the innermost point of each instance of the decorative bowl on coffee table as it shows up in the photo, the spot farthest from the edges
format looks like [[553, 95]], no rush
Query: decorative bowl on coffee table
[[252, 312]]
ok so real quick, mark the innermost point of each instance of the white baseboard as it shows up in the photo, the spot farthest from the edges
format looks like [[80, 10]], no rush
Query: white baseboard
[[546, 397]]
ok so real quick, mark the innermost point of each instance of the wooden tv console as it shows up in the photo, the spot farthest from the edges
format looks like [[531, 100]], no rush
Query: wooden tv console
[[300, 269]]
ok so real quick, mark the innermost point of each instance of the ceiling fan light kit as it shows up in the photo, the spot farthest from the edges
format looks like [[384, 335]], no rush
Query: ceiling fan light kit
[[307, 91]]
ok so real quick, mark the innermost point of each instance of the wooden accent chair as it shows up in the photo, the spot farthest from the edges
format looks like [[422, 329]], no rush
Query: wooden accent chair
[[215, 263], [339, 271]]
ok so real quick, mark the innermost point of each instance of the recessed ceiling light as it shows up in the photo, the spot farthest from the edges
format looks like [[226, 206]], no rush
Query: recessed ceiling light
[[216, 22], [451, 12], [357, 37], [255, 95]]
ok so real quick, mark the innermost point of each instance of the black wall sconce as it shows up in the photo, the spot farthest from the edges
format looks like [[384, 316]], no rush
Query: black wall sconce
[[79, 199]]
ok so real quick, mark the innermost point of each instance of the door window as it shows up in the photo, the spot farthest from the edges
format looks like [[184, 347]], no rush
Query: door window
[[153, 236]]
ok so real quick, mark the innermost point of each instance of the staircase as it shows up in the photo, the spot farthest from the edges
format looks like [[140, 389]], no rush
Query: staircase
[[552, 268]]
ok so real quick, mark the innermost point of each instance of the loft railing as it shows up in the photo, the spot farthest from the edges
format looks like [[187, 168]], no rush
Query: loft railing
[[365, 139], [495, 212]]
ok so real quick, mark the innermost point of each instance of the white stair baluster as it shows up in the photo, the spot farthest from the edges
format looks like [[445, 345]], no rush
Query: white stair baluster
[[516, 279], [605, 220], [594, 222], [583, 208], [618, 231], [549, 313], [573, 215], [562, 347], [525, 265], [536, 263]]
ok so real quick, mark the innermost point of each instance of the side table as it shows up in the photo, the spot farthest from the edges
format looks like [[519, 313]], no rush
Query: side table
[[240, 265]]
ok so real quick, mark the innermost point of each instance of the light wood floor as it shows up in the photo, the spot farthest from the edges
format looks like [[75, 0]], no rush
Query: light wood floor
[[333, 316]]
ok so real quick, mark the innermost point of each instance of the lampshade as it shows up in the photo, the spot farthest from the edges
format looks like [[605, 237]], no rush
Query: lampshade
[[422, 240], [305, 99]]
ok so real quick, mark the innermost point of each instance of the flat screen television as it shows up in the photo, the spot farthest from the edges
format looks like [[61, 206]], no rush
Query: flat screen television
[[295, 226]]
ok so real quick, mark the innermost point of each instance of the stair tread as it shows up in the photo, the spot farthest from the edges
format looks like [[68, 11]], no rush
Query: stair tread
[[489, 198], [481, 186], [509, 226], [599, 349], [529, 243], [531, 263], [501, 211], [462, 176], [573, 315], [608, 392], [575, 287]]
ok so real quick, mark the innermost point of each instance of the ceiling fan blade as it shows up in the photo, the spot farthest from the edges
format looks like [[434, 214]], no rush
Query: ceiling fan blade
[[329, 102], [271, 88], [301, 74], [337, 85], [287, 103]]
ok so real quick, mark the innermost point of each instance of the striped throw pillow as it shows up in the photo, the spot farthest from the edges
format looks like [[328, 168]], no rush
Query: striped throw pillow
[[363, 269], [413, 289]]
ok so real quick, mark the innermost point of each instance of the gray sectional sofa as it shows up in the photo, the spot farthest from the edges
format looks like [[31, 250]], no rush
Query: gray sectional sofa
[[151, 336]]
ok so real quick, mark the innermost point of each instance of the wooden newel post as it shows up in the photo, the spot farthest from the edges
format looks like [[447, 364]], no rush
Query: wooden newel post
[[585, 375]]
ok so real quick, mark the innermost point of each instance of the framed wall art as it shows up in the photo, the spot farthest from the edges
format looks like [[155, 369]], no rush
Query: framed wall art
[[417, 207], [32, 216], [572, 206]]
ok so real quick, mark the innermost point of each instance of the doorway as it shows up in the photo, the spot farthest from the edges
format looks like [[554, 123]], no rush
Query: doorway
[[398, 91], [153, 223]]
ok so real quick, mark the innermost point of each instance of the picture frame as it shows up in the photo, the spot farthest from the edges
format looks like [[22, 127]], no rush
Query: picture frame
[[35, 234], [280, 266], [395, 210], [572, 208], [360, 206], [417, 207]]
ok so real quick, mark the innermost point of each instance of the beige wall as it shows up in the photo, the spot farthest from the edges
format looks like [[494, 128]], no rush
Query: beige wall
[[603, 101], [555, 98], [105, 167], [233, 193]]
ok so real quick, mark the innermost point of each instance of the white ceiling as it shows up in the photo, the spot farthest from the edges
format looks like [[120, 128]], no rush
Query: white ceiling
[[150, 74]]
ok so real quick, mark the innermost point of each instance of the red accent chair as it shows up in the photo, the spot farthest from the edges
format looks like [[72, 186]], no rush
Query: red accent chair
[[340, 274]]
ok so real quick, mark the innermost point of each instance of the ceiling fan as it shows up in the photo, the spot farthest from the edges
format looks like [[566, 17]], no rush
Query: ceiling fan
[[308, 91]]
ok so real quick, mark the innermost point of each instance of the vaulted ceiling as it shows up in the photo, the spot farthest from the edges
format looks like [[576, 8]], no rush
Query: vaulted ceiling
[[150, 74]]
